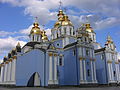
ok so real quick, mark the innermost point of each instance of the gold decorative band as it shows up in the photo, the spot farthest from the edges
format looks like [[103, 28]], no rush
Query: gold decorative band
[[109, 61], [55, 54], [10, 60], [6, 62], [81, 58], [116, 62], [14, 57], [50, 54]]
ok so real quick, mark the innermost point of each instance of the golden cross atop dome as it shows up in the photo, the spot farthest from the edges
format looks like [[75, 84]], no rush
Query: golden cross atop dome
[[87, 19], [60, 6], [36, 19]]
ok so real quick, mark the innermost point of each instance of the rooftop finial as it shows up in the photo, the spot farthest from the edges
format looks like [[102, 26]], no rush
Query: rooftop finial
[[36, 19], [87, 19], [60, 6]]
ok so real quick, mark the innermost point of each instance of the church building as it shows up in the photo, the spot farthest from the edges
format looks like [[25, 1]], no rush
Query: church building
[[70, 57]]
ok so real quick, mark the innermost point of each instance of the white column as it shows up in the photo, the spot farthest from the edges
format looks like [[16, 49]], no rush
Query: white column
[[84, 70], [1, 74], [116, 69], [81, 71], [91, 62], [7, 77], [94, 72], [109, 70], [50, 69], [5, 73], [13, 70], [9, 72], [55, 69], [84, 53], [112, 76]]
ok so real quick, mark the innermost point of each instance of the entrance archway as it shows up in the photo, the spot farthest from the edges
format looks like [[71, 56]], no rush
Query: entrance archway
[[34, 80]]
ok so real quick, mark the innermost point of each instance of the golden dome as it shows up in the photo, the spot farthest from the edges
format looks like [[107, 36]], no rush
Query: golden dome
[[44, 36], [66, 21], [35, 29], [88, 28], [60, 18]]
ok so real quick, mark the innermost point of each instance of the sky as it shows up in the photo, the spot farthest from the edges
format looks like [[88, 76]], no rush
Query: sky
[[17, 17]]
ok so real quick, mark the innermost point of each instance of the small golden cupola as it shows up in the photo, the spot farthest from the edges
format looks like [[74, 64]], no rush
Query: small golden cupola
[[35, 29], [66, 21], [60, 18], [44, 36], [35, 33], [89, 28]]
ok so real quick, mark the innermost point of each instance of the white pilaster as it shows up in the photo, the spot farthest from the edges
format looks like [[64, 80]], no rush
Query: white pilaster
[[50, 69], [117, 71], [55, 69], [13, 70], [1, 74], [81, 72], [91, 62], [84, 70], [5, 73], [94, 72], [109, 70], [9, 72], [112, 76]]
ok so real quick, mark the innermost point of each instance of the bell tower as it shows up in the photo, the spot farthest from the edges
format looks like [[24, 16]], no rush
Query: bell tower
[[63, 30]]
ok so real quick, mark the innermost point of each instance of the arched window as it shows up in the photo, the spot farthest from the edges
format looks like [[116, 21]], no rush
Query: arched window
[[102, 56], [64, 30], [93, 37], [70, 31], [37, 38], [114, 73], [60, 31], [85, 39], [87, 52], [73, 33], [57, 35], [33, 37], [88, 72], [74, 52], [60, 61]]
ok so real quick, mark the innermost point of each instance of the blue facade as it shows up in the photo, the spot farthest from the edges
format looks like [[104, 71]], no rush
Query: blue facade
[[101, 70], [71, 67], [28, 64]]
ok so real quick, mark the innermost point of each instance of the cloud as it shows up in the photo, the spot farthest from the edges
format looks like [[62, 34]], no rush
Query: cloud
[[108, 22], [26, 31], [8, 44], [4, 33], [45, 10]]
